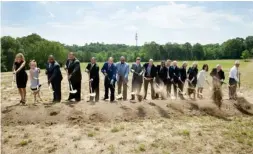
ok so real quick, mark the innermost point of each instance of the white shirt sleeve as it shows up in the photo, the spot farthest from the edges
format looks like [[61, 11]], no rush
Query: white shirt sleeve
[[233, 74]]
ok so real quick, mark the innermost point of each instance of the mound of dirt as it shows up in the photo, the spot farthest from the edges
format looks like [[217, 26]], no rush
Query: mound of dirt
[[82, 113]]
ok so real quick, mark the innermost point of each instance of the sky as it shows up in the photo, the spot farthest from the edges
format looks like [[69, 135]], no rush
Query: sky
[[117, 22]]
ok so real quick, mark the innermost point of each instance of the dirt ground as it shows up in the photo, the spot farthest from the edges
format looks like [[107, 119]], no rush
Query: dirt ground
[[151, 127]]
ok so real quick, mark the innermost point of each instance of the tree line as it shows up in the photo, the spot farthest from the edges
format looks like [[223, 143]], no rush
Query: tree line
[[35, 47]]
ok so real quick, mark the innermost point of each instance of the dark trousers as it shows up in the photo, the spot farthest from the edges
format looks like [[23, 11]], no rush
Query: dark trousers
[[160, 83], [56, 86], [110, 86], [181, 87], [232, 88], [77, 95], [168, 88], [136, 87], [146, 82], [95, 89]]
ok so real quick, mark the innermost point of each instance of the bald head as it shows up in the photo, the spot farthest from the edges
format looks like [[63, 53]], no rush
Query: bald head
[[51, 59], [71, 55], [122, 59], [93, 60]]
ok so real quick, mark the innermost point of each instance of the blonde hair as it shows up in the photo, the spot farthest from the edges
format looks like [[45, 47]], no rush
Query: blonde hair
[[20, 55], [195, 63], [33, 62], [184, 63]]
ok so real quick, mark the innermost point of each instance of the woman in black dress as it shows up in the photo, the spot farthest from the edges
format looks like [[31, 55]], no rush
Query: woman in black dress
[[192, 79], [21, 76]]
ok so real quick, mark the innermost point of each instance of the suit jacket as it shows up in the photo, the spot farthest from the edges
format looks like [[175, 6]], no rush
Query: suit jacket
[[74, 70], [174, 73], [111, 72], [53, 72], [220, 75], [152, 72], [94, 73], [182, 74], [162, 73], [137, 69], [192, 72]]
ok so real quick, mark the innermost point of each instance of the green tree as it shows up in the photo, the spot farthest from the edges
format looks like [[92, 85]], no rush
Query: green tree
[[249, 42], [198, 52], [245, 55]]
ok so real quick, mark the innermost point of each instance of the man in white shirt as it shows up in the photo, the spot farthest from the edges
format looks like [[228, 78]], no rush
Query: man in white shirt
[[233, 80]]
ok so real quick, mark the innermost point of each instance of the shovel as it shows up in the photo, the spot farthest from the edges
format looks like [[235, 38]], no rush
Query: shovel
[[50, 88], [91, 93], [13, 81], [71, 88]]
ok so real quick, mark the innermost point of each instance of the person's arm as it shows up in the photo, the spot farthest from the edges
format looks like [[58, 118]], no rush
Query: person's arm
[[13, 67], [76, 68], [88, 68], [96, 73], [31, 74], [56, 68], [127, 71], [223, 75], [114, 71], [22, 65], [235, 75], [103, 69]]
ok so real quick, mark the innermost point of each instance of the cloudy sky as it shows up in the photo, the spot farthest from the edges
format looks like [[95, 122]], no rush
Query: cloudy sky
[[117, 22]]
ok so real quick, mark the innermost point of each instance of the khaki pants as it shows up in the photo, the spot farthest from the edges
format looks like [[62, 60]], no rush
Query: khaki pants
[[120, 83], [146, 82], [232, 91]]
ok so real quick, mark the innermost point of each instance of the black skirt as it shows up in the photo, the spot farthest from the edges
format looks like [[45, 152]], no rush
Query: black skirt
[[21, 79]]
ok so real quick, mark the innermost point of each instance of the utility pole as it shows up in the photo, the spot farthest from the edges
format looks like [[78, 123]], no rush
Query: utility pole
[[136, 39]]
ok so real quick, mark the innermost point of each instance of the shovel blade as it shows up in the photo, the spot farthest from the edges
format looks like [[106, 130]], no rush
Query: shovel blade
[[73, 91], [92, 94]]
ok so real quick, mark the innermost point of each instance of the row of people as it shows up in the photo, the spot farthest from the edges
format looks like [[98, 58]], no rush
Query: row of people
[[167, 74]]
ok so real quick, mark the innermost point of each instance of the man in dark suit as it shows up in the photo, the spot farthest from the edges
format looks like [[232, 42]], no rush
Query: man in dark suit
[[182, 78], [150, 74], [54, 76], [218, 74], [161, 77], [174, 74], [168, 82], [137, 79], [109, 70], [93, 70], [74, 76]]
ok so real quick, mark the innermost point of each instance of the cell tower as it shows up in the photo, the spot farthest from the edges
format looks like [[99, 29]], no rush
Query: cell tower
[[136, 39]]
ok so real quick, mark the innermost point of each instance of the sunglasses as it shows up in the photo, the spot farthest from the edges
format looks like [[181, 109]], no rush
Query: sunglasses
[[138, 59]]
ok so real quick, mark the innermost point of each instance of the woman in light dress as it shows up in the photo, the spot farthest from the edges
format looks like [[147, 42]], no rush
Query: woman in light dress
[[34, 78], [201, 79]]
